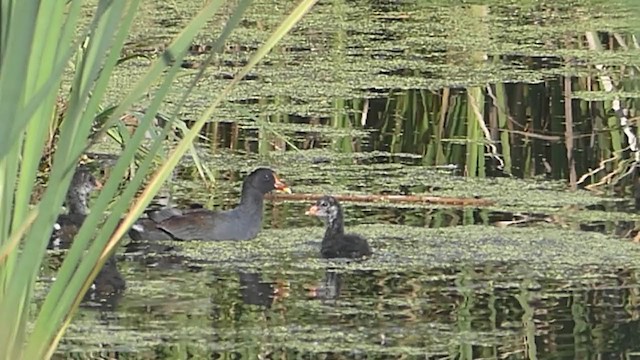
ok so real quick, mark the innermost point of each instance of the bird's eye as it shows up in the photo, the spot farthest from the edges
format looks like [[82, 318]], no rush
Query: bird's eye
[[324, 204]]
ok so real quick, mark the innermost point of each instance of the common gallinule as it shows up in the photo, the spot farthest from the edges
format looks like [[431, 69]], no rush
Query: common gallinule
[[335, 243], [108, 282], [240, 223], [158, 215], [67, 225]]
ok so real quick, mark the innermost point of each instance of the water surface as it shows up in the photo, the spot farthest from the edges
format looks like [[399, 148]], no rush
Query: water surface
[[380, 97]]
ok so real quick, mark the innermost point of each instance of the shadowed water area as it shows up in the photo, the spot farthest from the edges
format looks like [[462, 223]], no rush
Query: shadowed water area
[[419, 98]]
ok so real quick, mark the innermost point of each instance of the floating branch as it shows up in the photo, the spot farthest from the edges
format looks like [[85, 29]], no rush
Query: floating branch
[[411, 199]]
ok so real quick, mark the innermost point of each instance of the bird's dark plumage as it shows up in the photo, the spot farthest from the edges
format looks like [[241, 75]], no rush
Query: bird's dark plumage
[[243, 222], [335, 243], [67, 225]]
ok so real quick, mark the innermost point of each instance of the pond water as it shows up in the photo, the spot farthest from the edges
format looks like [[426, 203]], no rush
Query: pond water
[[476, 100]]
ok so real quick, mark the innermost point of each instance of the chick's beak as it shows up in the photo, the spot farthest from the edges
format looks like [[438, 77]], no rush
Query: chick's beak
[[312, 210], [98, 184], [281, 187]]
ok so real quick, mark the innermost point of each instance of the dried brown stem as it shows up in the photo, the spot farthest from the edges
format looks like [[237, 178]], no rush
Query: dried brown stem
[[385, 198]]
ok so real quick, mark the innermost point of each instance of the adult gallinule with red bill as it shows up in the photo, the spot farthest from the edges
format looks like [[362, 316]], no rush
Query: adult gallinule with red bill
[[335, 243], [243, 222]]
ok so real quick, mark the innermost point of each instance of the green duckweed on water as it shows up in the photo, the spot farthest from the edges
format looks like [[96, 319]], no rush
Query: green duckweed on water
[[404, 248], [371, 49], [203, 305]]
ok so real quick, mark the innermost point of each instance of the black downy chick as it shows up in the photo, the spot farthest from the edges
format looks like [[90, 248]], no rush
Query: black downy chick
[[67, 225], [335, 243]]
